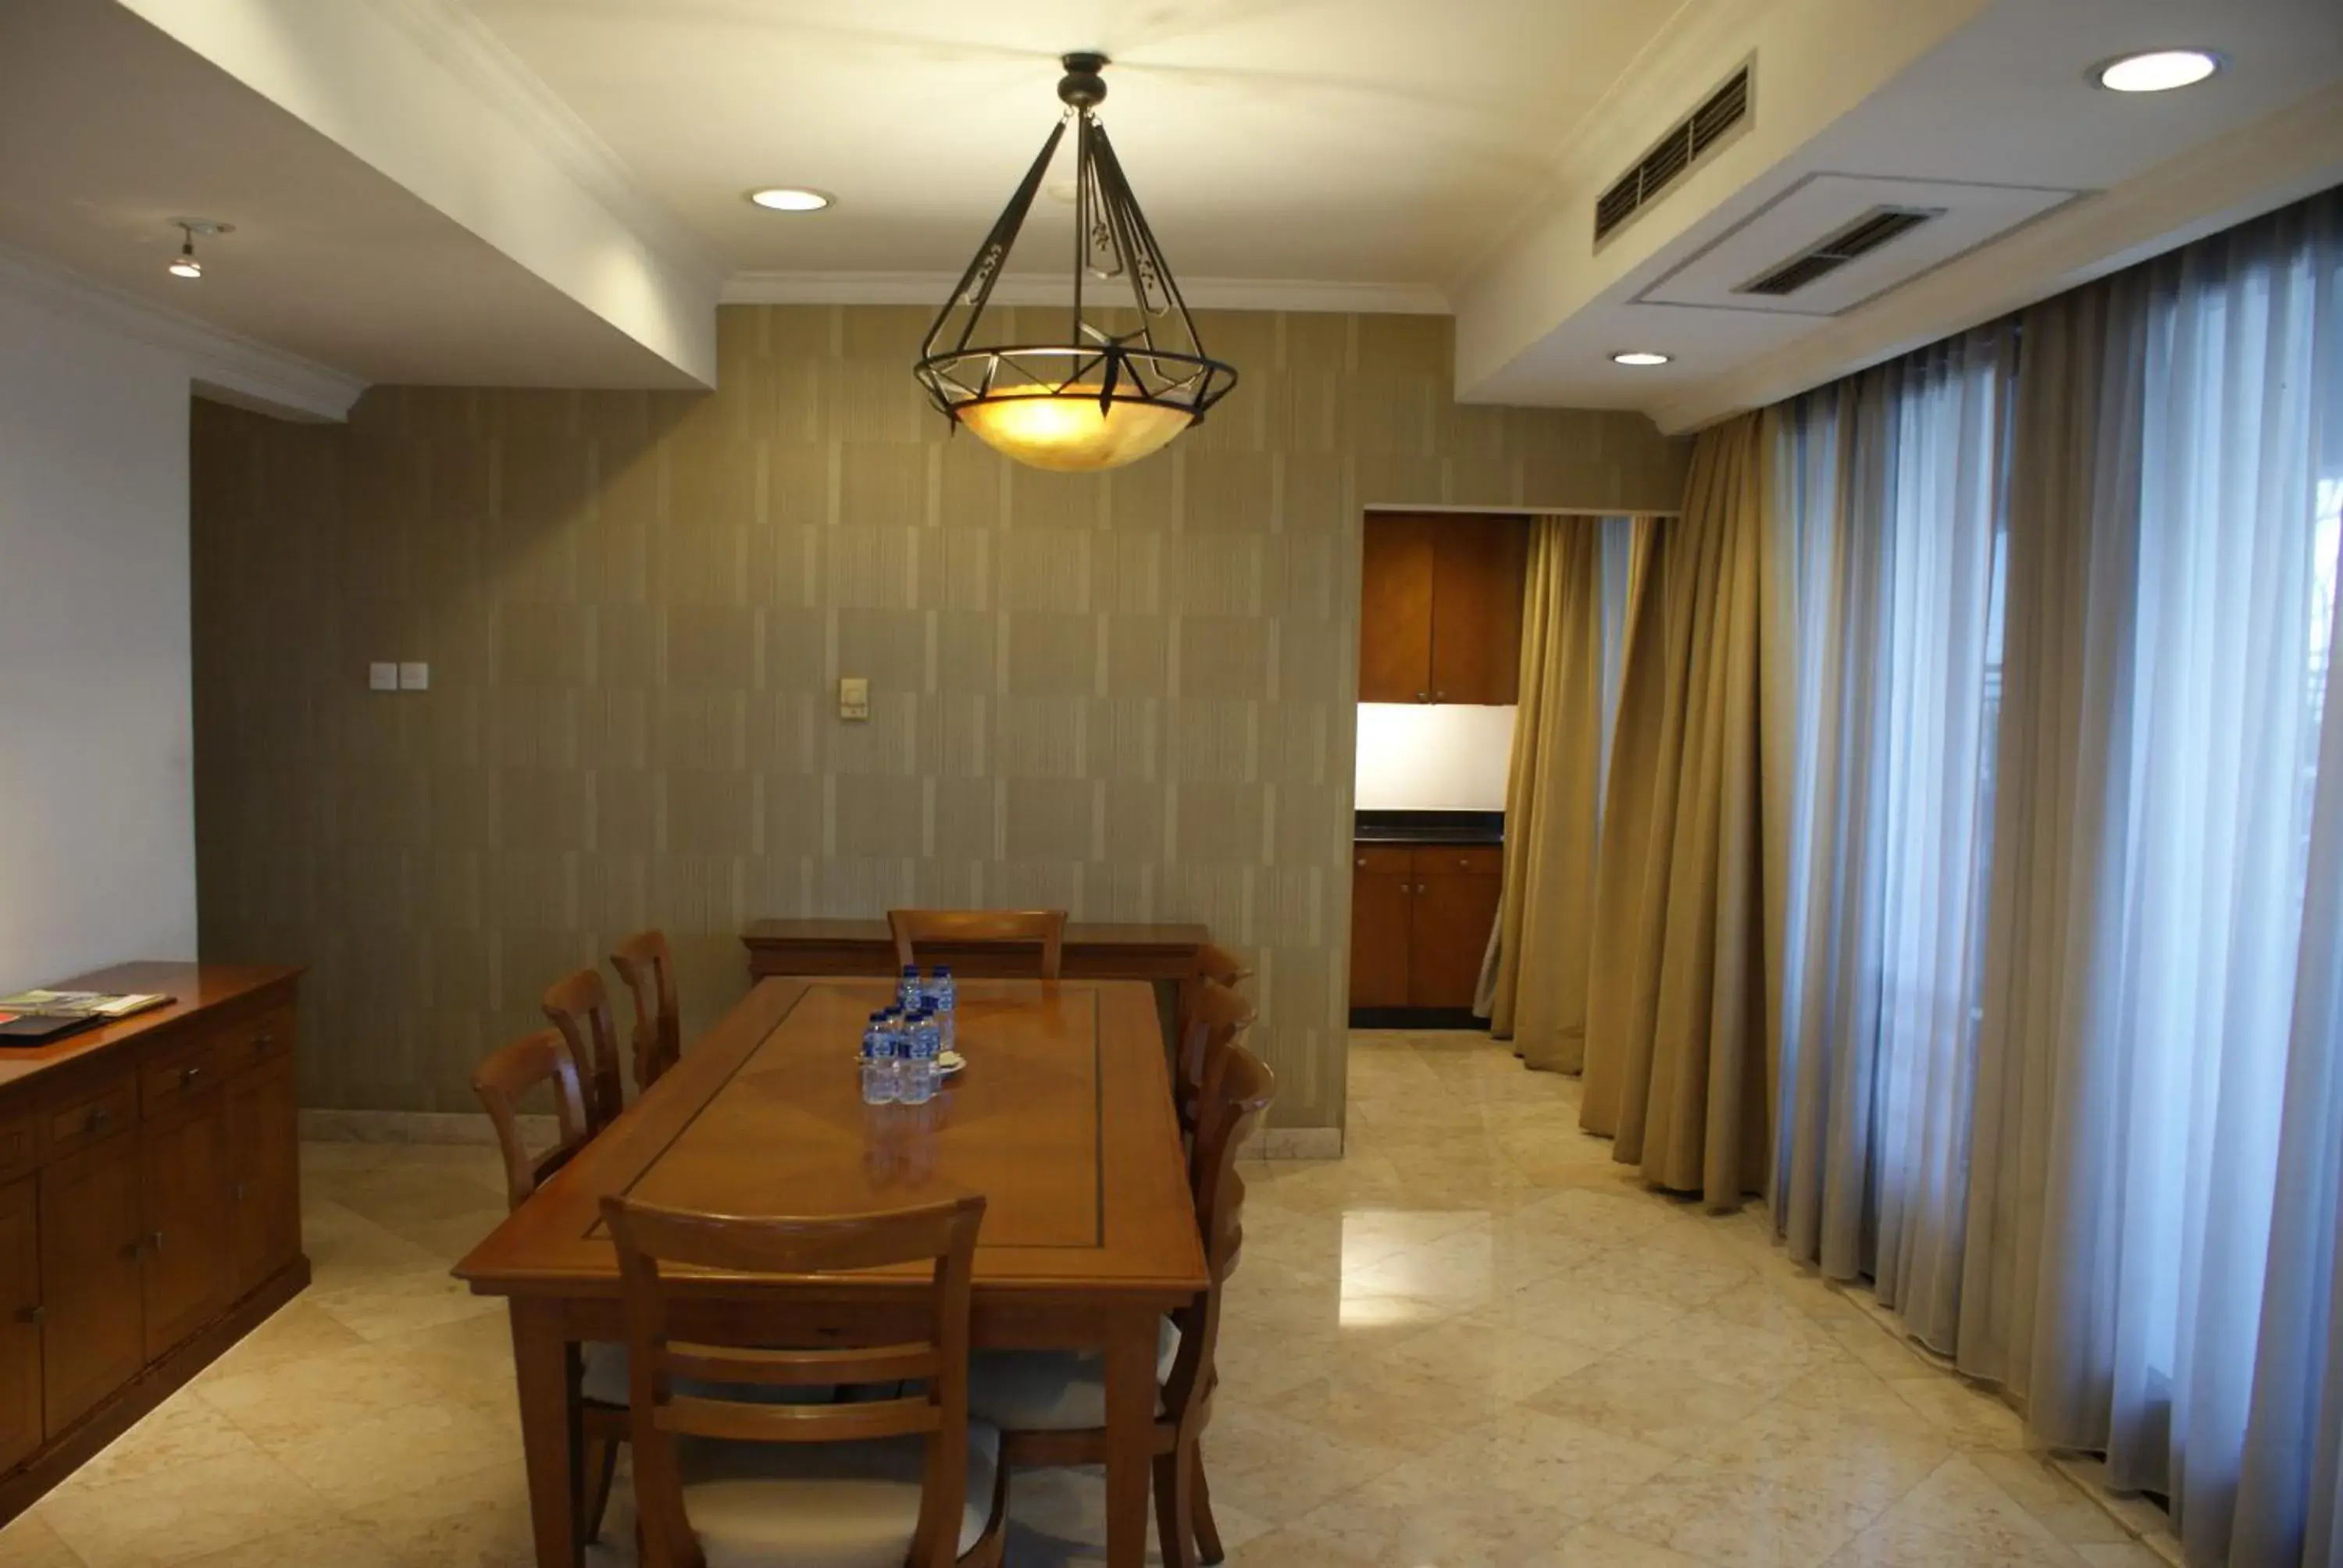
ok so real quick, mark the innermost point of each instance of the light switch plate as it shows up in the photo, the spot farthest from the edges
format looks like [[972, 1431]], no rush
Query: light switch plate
[[414, 676], [853, 698], [382, 676]]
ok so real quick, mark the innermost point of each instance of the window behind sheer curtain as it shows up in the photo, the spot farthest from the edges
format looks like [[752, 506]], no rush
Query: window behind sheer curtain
[[2040, 1097], [2232, 619], [1890, 496]]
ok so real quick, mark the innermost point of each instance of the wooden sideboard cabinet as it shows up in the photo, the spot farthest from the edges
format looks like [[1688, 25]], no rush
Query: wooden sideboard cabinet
[[1421, 915], [150, 1207]]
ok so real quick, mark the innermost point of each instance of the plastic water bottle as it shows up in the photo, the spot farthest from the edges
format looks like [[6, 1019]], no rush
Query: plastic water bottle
[[943, 997], [907, 990], [881, 1076], [918, 1081]]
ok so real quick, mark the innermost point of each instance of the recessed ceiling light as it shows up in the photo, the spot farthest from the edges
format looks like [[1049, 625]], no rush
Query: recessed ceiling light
[[789, 198], [2158, 70], [1640, 356]]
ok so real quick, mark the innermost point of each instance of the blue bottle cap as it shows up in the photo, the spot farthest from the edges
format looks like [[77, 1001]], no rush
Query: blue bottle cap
[[943, 972]]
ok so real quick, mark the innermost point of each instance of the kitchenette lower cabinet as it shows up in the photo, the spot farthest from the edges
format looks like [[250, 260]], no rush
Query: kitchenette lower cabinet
[[150, 1208], [1421, 915]]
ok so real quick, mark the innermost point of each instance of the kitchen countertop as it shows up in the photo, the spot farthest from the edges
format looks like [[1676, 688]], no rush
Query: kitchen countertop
[[1428, 828]]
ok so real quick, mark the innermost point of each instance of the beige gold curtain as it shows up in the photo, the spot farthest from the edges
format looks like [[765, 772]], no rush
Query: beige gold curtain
[[1679, 1001], [1544, 927]]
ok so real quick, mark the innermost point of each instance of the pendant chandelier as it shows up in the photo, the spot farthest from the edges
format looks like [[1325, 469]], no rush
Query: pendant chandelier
[[1096, 398]]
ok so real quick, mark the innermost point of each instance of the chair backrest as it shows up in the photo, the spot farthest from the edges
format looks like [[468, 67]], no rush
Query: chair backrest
[[1237, 1086], [1042, 928], [1213, 965], [505, 1080], [647, 964], [1215, 1016], [580, 1009], [649, 1237], [1217, 964]]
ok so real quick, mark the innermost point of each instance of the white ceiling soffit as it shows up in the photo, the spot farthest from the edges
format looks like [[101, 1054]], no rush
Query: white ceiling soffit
[[1813, 63], [222, 366], [421, 92], [1993, 114], [1957, 217], [2294, 153], [111, 128]]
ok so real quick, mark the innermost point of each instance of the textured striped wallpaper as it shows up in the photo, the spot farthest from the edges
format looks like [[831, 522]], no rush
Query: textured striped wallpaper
[[1130, 695]]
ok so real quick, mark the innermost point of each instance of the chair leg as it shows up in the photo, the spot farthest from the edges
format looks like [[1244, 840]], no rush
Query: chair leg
[[1208, 1534], [602, 1463], [1175, 1505]]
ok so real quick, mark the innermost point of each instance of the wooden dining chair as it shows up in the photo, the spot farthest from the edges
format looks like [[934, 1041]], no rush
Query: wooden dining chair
[[1215, 1016], [580, 1009], [510, 1076], [1050, 1405], [1041, 928], [504, 1081], [1219, 965], [647, 964], [903, 1477]]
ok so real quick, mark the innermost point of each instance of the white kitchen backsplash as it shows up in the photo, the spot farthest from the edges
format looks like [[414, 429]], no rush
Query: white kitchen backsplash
[[1421, 757]]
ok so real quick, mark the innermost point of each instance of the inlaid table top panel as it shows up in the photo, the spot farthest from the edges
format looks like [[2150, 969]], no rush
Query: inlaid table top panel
[[1062, 1120]]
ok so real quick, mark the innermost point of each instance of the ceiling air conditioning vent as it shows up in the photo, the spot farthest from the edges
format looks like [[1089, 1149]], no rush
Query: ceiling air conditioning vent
[[1861, 238], [1690, 140]]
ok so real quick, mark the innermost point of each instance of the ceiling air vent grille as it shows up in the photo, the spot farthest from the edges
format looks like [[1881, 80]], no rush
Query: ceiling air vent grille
[[1865, 234], [1690, 140]]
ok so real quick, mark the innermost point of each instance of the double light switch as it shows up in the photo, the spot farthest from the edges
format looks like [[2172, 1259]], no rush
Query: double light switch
[[414, 675]]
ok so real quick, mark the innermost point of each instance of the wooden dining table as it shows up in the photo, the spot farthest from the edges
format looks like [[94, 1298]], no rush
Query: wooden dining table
[[1062, 1119]]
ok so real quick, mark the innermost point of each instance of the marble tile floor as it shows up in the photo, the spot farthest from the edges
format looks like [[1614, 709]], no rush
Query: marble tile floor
[[1475, 1340]]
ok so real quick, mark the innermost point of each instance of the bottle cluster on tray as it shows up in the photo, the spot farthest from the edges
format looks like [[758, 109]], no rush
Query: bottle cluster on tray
[[906, 1047]]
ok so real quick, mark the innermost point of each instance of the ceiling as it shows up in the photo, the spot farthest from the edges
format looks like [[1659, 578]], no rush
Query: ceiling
[[2002, 105], [1349, 141], [109, 130], [550, 192]]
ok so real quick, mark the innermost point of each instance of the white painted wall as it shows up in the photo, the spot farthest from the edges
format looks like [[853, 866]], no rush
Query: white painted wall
[[1424, 756], [98, 854]]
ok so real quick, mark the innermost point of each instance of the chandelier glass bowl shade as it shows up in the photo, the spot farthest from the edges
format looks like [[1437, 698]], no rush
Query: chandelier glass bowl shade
[[1098, 398]]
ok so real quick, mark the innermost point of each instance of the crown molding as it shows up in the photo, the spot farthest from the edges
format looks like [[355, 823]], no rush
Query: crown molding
[[2279, 158], [223, 365], [930, 289], [457, 38]]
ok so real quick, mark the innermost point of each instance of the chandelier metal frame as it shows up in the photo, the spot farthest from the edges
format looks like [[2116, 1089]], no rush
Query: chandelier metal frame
[[1162, 362]]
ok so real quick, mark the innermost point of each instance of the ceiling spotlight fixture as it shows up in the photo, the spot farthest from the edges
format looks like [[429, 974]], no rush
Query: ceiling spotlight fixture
[[1640, 356], [2158, 70], [1095, 398], [791, 199], [185, 264]]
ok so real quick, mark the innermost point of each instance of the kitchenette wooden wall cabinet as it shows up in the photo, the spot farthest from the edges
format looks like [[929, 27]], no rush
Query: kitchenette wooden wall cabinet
[[1441, 608], [1421, 915], [150, 1207]]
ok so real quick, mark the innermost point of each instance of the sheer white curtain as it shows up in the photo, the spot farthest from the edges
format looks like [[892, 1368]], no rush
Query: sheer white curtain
[[1888, 505], [2063, 983], [2141, 1006]]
